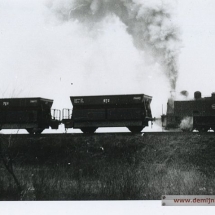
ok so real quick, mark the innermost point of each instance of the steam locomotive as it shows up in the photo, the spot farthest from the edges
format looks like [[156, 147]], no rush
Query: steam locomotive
[[197, 113], [88, 114]]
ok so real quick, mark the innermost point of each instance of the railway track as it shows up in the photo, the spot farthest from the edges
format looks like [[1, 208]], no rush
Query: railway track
[[61, 135]]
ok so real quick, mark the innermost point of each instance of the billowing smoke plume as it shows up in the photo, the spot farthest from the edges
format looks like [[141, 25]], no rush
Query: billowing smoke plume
[[149, 25], [187, 124]]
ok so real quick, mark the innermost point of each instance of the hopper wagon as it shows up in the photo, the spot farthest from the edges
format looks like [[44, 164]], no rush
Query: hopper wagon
[[32, 114], [92, 112]]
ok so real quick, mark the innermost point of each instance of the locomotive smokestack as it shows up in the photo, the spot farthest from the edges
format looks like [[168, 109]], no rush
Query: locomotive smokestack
[[197, 95]]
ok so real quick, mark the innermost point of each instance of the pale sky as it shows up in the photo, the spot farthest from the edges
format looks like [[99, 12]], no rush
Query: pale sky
[[41, 56]]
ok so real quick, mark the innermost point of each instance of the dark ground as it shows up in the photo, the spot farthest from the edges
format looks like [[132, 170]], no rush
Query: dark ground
[[106, 166]]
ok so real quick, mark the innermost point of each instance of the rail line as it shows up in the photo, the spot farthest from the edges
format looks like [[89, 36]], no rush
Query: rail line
[[109, 134]]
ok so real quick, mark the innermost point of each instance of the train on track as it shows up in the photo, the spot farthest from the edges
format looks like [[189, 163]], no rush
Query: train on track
[[88, 113], [197, 113], [92, 112]]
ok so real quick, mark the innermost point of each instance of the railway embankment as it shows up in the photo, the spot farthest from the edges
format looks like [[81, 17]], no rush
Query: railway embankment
[[106, 166]]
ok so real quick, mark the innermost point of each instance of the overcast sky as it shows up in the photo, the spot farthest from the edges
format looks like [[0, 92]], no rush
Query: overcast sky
[[43, 56]]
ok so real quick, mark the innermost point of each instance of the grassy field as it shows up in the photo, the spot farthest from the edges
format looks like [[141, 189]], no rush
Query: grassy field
[[107, 166]]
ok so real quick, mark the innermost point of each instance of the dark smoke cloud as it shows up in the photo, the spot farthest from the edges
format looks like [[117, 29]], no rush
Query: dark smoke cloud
[[150, 26], [184, 93]]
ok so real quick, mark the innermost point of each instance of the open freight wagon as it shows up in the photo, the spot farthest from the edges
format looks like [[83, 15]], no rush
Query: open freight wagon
[[32, 114], [92, 112]]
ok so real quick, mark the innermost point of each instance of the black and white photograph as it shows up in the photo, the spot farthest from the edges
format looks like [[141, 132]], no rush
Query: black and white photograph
[[106, 100]]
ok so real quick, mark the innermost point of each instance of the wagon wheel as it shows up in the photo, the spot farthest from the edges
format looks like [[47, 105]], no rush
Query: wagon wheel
[[34, 131], [136, 129], [203, 129], [30, 130], [88, 130], [39, 131], [187, 129]]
